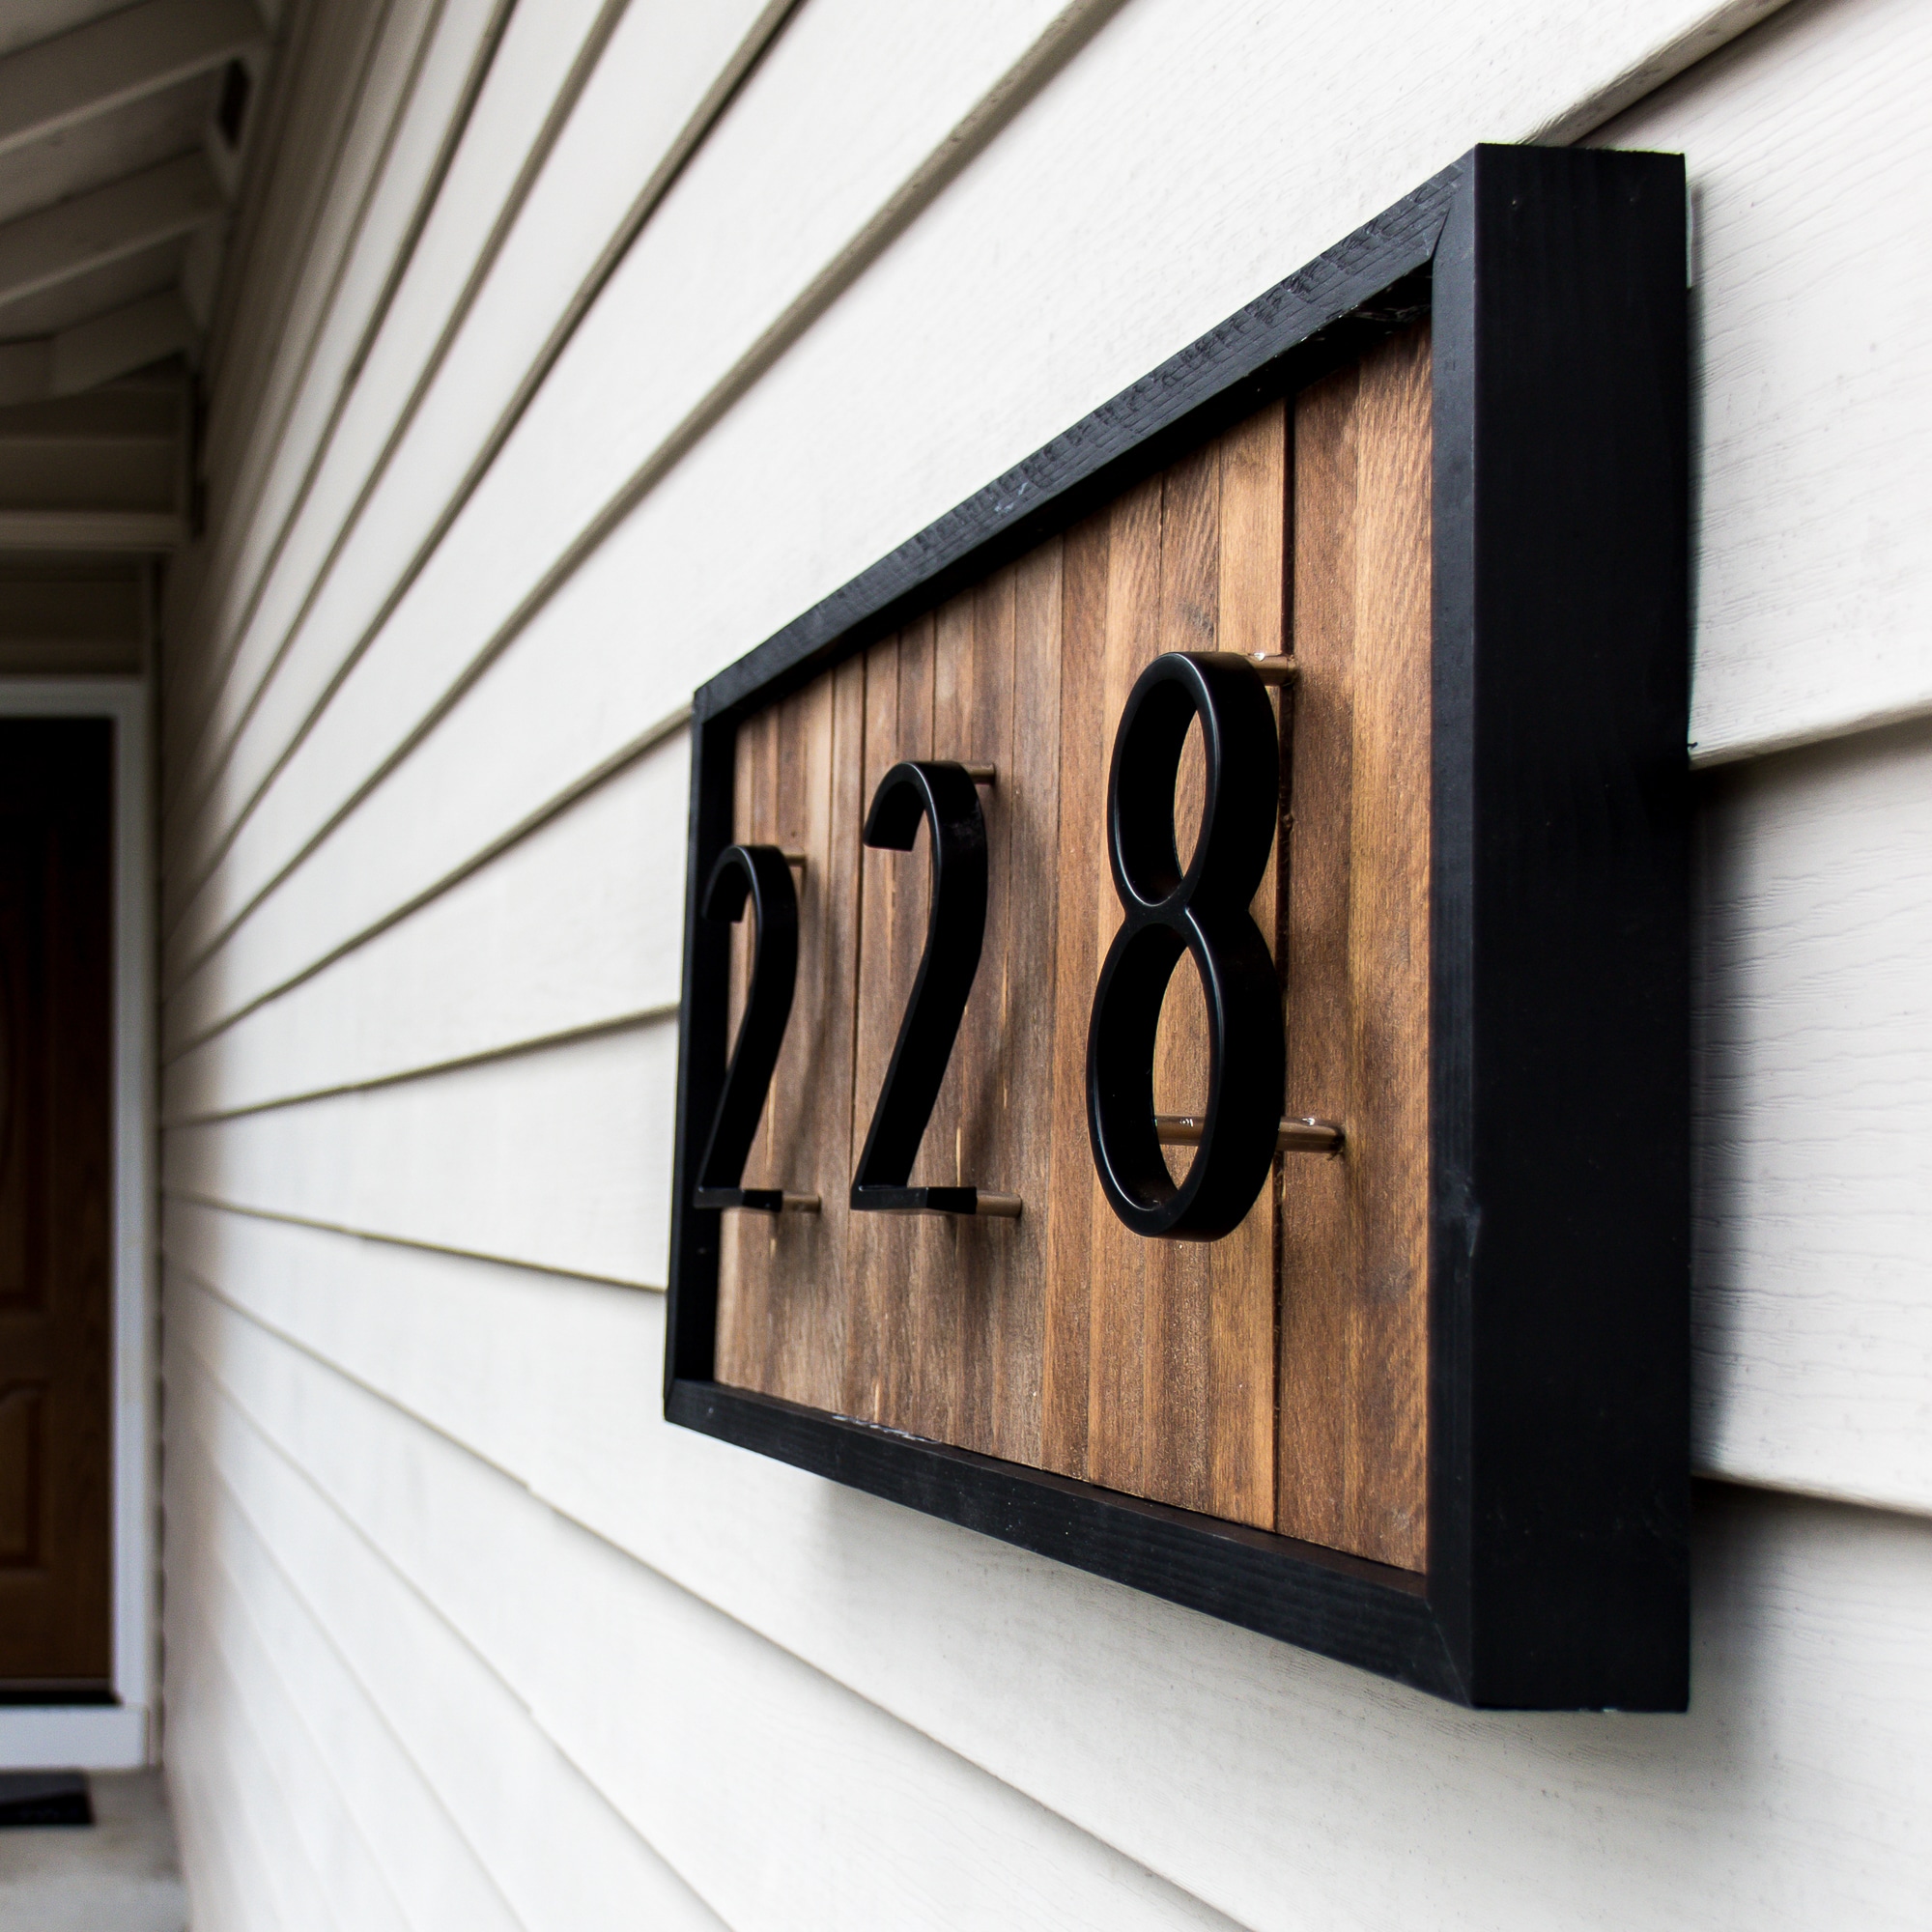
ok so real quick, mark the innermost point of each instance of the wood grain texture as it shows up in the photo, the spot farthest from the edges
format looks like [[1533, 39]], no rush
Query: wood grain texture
[[457, 1557], [1243, 1271], [1811, 1336], [1813, 594], [1079, 880], [1118, 1345], [1355, 1278], [1316, 1219], [586, 440], [1213, 1759], [1060, 1339], [1277, 1377], [453, 1766], [1285, 1790]]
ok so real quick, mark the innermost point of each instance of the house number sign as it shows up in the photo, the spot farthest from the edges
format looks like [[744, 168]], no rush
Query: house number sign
[[1185, 1044], [1201, 909]]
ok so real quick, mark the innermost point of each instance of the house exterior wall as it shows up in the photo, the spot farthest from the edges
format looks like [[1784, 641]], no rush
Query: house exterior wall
[[569, 350]]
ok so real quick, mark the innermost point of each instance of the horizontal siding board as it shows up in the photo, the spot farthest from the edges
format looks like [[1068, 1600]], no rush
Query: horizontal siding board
[[231, 1715], [433, 1873], [790, 184], [246, 405], [559, 1856], [277, 463], [456, 798], [670, 558], [638, 365], [1815, 357], [1814, 1165], [210, 1788], [238, 634], [1814, 1337], [455, 1332], [784, 1800], [1285, 1790], [558, 1157], [242, 1726], [575, 925], [429, 401], [284, 196], [886, 1706], [256, 1787]]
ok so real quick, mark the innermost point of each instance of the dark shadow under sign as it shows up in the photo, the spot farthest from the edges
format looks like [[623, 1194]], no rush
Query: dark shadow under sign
[[1186, 1033]]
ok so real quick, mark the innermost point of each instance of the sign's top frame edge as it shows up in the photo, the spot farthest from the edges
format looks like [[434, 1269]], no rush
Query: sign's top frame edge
[[1133, 430]]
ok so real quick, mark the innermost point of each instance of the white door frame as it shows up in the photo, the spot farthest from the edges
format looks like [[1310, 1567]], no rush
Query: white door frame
[[116, 1737]]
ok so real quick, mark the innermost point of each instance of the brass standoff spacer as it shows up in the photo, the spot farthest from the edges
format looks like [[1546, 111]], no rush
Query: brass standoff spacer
[[1296, 1136], [1276, 670]]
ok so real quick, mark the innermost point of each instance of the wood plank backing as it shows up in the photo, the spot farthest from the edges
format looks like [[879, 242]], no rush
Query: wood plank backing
[[1062, 1340], [1353, 1305]]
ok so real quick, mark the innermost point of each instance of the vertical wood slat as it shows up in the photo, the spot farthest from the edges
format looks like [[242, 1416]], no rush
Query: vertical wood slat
[[743, 1270], [1078, 881], [1060, 1340], [1117, 1341], [1010, 722], [1353, 1367]]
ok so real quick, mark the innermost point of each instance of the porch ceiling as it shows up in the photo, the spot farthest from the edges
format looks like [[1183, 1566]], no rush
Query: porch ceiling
[[123, 132]]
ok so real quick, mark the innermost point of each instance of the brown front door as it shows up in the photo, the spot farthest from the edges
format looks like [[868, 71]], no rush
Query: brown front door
[[56, 795]]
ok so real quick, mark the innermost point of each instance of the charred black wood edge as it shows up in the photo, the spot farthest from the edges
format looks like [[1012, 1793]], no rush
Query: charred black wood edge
[[1321, 317], [1559, 1212]]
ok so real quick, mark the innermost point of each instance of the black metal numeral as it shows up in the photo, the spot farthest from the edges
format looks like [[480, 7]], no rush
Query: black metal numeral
[[761, 874], [1203, 912], [943, 795]]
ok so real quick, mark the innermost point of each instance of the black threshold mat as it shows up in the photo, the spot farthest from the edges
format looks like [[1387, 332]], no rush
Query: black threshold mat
[[44, 1798]]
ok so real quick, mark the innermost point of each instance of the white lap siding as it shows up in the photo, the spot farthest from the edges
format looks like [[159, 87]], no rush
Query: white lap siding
[[622, 334]]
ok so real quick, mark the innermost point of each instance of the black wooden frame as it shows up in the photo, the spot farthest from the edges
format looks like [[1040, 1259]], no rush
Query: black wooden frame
[[1559, 1075]]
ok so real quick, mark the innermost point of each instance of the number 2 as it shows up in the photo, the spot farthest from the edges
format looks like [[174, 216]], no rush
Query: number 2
[[943, 795]]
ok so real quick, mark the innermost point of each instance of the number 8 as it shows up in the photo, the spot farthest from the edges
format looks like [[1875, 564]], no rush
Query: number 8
[[1204, 912]]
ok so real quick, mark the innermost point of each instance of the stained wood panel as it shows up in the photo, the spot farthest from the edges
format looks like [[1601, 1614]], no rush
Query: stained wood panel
[[1353, 1305], [1217, 1759], [1062, 1340], [1820, 1606]]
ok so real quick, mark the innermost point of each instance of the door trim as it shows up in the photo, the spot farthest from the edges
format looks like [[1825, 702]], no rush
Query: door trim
[[117, 1737]]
